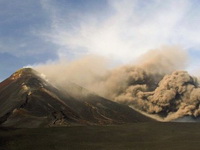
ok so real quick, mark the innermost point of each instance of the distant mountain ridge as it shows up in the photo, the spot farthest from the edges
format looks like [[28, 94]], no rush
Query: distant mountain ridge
[[27, 100]]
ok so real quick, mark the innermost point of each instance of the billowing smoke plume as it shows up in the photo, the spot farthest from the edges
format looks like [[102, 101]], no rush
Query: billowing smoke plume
[[177, 95], [84, 71], [151, 85]]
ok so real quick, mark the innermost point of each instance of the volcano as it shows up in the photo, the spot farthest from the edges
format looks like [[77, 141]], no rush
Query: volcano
[[28, 100]]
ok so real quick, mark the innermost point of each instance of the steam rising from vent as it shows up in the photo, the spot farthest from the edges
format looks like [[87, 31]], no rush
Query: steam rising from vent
[[151, 85]]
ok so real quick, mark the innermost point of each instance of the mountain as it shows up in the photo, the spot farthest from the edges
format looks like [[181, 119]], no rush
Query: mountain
[[28, 100]]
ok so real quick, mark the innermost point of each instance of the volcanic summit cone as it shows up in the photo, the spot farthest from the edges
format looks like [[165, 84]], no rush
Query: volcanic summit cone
[[28, 100]]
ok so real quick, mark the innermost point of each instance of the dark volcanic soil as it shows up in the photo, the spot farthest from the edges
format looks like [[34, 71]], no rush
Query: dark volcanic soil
[[136, 136]]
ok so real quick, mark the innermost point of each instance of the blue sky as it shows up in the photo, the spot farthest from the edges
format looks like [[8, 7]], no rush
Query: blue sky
[[39, 31]]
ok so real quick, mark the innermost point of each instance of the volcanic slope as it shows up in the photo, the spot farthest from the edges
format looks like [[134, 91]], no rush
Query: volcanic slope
[[28, 100]]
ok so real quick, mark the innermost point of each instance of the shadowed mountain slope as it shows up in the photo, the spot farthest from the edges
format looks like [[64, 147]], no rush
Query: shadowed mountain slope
[[28, 100]]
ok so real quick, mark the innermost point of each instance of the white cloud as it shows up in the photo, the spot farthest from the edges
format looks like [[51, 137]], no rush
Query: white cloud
[[133, 28]]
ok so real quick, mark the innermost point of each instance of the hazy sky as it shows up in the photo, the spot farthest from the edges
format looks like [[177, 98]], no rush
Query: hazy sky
[[38, 31]]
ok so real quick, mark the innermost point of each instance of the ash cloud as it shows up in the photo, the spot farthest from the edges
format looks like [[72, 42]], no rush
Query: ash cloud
[[151, 85]]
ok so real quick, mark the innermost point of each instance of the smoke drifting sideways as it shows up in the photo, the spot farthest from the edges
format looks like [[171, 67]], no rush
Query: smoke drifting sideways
[[152, 85]]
